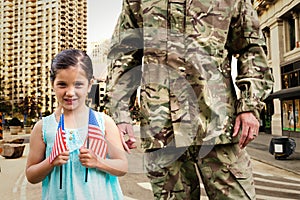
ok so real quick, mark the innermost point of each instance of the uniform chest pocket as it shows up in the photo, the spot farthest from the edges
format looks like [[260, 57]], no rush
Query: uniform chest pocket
[[177, 13]]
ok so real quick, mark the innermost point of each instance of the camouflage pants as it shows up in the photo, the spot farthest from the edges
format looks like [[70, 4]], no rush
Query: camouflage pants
[[175, 173]]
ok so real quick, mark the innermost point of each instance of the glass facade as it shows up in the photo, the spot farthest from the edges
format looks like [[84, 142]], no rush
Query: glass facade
[[290, 75], [290, 105], [297, 106], [290, 115]]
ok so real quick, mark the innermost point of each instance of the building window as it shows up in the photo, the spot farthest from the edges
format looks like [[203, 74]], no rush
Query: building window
[[290, 75], [292, 41], [294, 79], [290, 33], [267, 36]]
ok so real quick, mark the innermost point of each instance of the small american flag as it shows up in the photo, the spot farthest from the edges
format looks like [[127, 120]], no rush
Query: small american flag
[[95, 140], [60, 144]]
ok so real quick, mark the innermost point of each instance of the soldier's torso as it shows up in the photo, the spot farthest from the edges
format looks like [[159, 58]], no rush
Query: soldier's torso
[[187, 91]]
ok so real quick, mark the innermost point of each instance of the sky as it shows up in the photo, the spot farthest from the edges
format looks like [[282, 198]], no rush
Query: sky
[[102, 18]]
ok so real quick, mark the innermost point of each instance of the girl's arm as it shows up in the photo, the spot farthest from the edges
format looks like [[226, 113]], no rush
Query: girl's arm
[[37, 167], [116, 163]]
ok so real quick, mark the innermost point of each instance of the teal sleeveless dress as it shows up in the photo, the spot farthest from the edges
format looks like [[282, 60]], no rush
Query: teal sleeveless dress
[[99, 186]]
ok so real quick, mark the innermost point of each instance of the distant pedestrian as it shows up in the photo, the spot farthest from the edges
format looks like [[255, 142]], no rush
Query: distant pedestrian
[[76, 152], [291, 117]]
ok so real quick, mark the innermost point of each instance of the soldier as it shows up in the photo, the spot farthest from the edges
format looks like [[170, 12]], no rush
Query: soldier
[[193, 124]]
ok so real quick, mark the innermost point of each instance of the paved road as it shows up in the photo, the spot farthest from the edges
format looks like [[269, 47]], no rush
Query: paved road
[[271, 183]]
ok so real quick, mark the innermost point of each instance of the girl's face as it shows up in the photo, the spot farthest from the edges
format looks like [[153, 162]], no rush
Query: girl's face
[[71, 87]]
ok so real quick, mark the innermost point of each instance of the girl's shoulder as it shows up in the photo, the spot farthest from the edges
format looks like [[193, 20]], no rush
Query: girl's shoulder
[[38, 126], [37, 132], [51, 116], [49, 120], [107, 119]]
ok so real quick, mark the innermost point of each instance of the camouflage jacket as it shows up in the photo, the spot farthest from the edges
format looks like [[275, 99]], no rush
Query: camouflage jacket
[[180, 53]]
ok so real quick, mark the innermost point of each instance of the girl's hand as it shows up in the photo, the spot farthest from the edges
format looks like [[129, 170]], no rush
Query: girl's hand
[[88, 158], [61, 159]]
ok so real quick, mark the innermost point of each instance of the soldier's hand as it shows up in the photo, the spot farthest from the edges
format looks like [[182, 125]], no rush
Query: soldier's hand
[[250, 128], [126, 128]]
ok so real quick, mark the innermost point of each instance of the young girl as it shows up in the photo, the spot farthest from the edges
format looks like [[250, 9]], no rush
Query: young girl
[[76, 172]]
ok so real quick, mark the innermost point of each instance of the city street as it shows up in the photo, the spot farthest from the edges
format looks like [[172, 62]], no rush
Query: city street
[[271, 182]]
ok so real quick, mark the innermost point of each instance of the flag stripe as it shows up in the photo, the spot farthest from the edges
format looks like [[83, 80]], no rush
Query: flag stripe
[[95, 136], [97, 142], [60, 144]]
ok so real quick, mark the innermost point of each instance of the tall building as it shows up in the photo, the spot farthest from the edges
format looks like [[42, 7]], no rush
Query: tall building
[[98, 53], [280, 22], [32, 32]]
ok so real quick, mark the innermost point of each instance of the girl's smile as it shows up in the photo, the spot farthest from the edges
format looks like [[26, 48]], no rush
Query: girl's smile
[[70, 101]]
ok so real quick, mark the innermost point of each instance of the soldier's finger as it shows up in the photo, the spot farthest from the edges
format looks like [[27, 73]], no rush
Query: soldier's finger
[[236, 127], [124, 144], [244, 137]]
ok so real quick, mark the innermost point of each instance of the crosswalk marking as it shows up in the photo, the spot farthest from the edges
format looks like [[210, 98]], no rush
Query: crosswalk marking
[[276, 182], [262, 174], [263, 178], [271, 192], [145, 185], [272, 198], [23, 189], [129, 198], [293, 179], [277, 189], [20, 178]]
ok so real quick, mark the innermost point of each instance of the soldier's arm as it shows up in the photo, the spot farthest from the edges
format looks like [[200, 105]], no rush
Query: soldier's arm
[[125, 58], [254, 78]]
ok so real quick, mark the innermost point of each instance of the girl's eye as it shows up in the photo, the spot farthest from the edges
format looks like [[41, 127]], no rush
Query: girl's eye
[[78, 85], [61, 85]]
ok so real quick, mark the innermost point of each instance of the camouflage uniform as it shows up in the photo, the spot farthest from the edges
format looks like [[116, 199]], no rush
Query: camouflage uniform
[[179, 52]]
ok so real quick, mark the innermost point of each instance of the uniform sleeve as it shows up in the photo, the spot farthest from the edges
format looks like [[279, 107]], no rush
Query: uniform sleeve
[[254, 79], [125, 61]]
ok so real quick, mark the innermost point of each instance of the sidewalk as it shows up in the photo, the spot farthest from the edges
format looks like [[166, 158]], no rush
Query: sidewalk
[[259, 150]]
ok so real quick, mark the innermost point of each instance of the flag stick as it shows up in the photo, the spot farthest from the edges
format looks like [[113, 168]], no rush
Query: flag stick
[[60, 174], [60, 178], [86, 169]]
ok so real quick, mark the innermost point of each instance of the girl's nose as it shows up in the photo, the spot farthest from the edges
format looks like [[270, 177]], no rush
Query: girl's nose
[[70, 91]]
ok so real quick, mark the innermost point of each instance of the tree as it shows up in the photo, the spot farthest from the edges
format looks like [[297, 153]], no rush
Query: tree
[[28, 106], [5, 106]]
